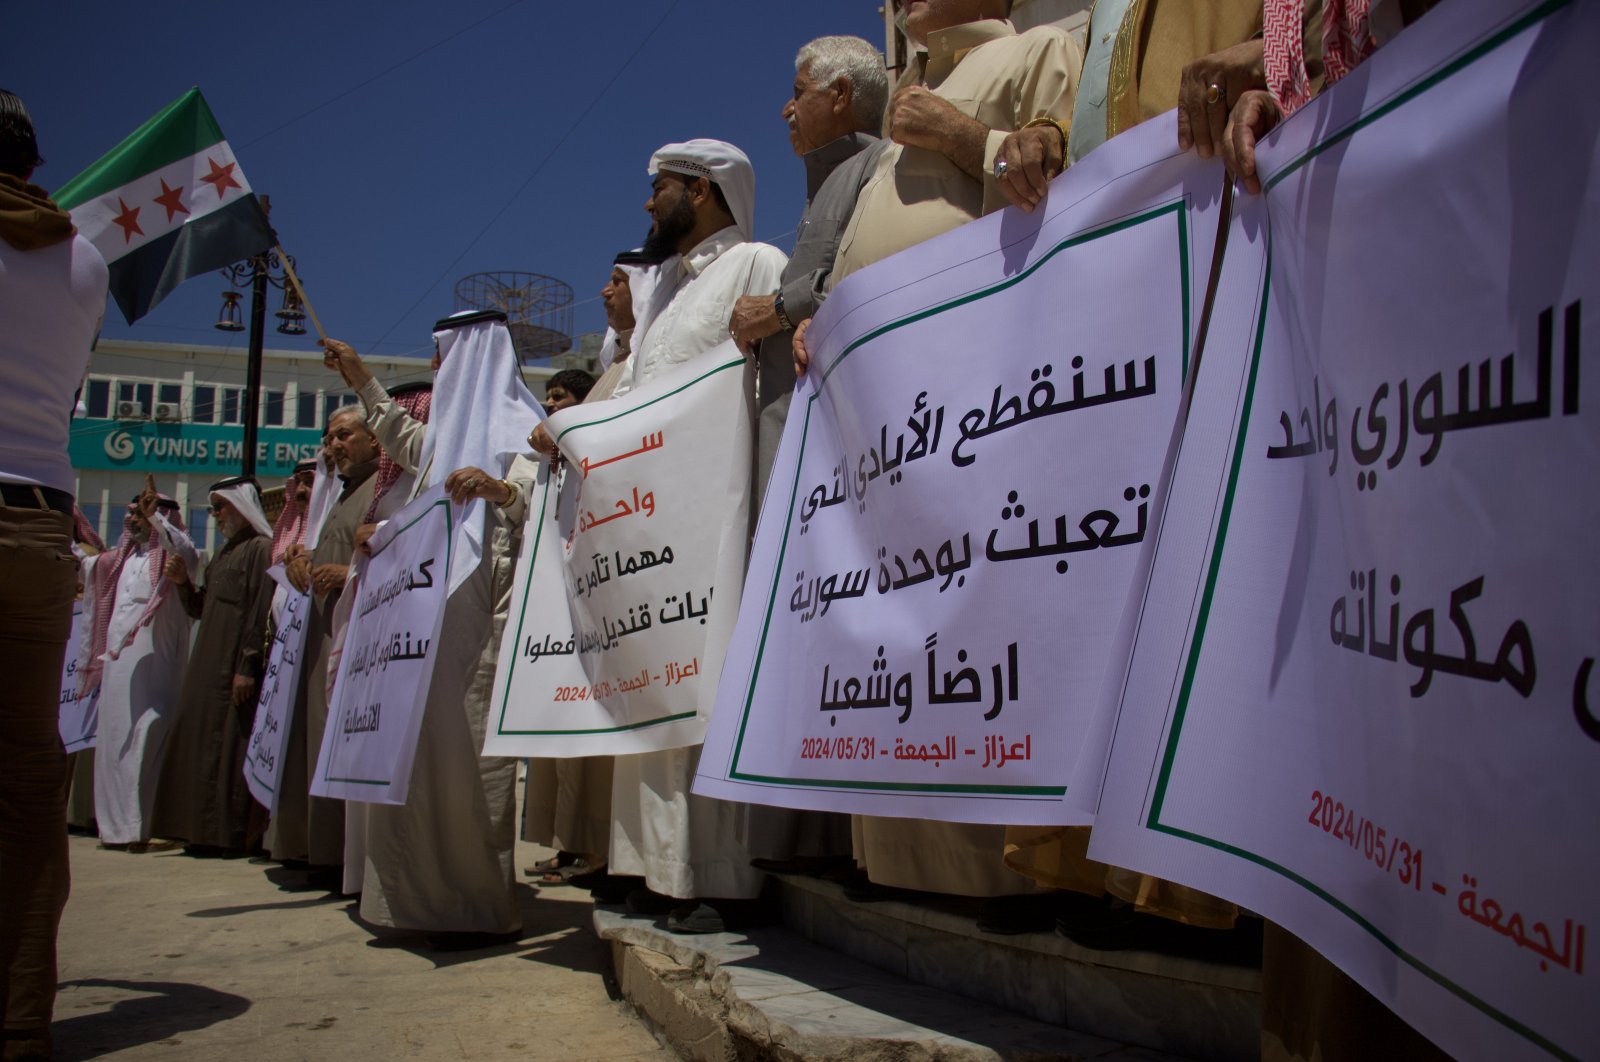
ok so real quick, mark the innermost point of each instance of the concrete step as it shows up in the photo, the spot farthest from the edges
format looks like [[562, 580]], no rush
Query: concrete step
[[1193, 1007], [770, 994]]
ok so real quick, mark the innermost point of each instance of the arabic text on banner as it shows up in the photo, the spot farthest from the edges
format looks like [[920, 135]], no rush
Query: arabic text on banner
[[1360, 699], [79, 719], [375, 712], [269, 736], [955, 511], [628, 580]]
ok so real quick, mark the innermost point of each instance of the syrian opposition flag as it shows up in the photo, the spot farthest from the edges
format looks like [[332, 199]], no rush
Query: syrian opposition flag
[[166, 204]]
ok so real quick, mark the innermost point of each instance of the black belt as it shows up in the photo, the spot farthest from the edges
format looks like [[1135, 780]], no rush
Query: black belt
[[27, 496]]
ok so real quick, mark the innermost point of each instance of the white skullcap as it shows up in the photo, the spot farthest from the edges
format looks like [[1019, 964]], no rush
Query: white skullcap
[[724, 165]]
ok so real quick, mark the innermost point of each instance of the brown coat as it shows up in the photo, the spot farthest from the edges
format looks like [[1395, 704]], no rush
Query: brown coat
[[203, 798]]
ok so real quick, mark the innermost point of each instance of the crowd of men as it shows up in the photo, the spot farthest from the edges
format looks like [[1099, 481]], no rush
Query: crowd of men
[[982, 118]]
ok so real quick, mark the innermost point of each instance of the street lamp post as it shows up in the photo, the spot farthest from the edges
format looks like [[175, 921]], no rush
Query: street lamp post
[[258, 274]]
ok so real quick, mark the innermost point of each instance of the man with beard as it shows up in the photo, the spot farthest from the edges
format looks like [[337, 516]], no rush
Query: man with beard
[[204, 800], [702, 208], [689, 848], [308, 828]]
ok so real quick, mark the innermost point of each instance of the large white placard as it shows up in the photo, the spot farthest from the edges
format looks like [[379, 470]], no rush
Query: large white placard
[[628, 581], [78, 721], [269, 736], [1359, 698], [375, 712], [957, 507]]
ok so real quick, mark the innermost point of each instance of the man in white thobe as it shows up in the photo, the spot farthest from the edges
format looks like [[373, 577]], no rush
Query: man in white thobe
[[137, 648], [690, 848]]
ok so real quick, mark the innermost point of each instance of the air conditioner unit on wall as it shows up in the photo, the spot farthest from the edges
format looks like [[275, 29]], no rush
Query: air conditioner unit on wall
[[167, 412], [131, 411]]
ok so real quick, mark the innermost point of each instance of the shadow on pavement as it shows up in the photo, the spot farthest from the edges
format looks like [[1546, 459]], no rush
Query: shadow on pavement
[[167, 1009], [554, 933], [285, 905]]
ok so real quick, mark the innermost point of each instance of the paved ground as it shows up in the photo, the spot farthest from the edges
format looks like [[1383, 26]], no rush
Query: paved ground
[[172, 958]]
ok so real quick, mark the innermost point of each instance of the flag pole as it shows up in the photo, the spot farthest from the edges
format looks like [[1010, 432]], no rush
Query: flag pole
[[288, 270]]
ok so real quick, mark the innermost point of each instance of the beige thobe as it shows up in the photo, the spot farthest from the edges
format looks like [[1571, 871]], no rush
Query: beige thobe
[[1003, 79], [442, 862], [988, 72]]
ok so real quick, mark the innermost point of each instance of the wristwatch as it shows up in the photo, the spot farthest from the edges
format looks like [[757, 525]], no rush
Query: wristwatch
[[783, 319]]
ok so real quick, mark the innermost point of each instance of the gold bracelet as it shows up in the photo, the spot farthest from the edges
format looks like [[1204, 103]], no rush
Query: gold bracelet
[[511, 495], [1045, 119]]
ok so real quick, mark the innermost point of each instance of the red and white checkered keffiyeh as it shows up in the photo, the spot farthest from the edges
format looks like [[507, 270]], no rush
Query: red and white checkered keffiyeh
[[1346, 41], [83, 531], [290, 527], [416, 402], [105, 573]]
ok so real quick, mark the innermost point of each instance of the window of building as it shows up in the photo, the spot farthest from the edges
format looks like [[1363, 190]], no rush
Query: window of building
[[205, 405], [200, 527], [171, 393], [230, 406], [331, 403], [272, 409], [97, 398], [306, 413], [142, 393]]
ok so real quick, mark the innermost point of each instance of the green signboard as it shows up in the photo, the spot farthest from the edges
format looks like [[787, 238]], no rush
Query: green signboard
[[204, 449]]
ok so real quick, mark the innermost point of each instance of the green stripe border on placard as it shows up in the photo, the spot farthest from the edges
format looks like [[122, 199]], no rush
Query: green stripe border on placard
[[1186, 689], [527, 591], [1178, 210]]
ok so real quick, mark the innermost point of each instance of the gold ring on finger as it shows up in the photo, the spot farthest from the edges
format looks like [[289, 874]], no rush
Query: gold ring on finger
[[1213, 94]]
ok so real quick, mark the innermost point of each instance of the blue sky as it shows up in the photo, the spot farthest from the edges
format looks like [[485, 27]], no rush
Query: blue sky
[[526, 121]]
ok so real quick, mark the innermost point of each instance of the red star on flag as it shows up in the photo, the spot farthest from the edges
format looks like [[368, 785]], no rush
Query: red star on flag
[[129, 220], [221, 177], [171, 199]]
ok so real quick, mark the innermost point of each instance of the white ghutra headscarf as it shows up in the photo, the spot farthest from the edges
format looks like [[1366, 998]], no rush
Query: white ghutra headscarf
[[480, 418], [245, 496]]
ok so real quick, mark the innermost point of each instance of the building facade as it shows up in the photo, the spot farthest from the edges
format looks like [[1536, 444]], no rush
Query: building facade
[[175, 411]]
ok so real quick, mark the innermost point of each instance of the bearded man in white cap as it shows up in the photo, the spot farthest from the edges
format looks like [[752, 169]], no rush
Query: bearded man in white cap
[[442, 863], [203, 799], [690, 849], [702, 205]]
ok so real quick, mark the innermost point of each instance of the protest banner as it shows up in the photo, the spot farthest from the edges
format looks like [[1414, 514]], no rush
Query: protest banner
[[1357, 696], [269, 736], [928, 616], [375, 711], [78, 721], [628, 581]]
